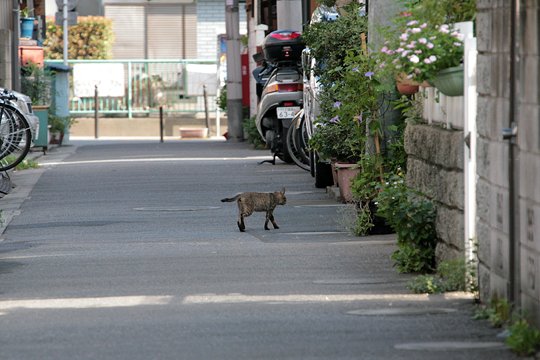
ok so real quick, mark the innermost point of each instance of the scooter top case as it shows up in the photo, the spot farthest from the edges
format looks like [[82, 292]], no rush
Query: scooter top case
[[283, 45]]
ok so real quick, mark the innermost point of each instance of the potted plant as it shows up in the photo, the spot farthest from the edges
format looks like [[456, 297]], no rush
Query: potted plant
[[27, 23], [422, 51], [58, 126], [36, 83]]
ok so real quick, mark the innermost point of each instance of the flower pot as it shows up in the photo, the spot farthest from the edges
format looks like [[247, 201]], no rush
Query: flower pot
[[334, 172], [345, 174], [27, 27], [407, 89], [187, 133], [450, 81]]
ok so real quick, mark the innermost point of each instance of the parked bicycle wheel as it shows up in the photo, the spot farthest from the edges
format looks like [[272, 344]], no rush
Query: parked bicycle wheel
[[15, 137], [296, 141]]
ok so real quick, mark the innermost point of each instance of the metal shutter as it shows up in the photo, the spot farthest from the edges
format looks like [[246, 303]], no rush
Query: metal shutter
[[128, 27], [172, 31]]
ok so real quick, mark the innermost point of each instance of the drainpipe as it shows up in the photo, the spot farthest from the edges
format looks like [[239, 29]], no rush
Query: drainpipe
[[510, 134]]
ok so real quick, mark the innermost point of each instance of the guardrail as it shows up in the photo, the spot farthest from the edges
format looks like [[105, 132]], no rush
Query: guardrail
[[135, 87]]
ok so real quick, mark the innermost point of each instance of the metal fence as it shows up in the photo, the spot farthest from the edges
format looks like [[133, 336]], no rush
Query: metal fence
[[140, 87]]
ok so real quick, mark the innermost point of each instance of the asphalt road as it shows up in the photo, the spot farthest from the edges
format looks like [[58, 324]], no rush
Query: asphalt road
[[122, 250]]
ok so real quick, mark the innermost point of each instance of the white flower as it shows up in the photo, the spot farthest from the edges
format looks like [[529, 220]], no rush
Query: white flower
[[404, 36], [416, 30], [423, 26], [427, 61], [422, 41], [444, 29], [433, 58], [430, 45], [457, 44], [412, 23], [418, 52], [398, 50], [405, 53], [414, 59]]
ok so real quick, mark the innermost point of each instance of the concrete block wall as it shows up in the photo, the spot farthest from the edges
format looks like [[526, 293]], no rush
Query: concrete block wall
[[493, 230], [435, 167], [493, 77], [210, 24], [528, 143]]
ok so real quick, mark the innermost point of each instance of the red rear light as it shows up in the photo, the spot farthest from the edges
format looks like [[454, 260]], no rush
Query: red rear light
[[289, 103], [290, 87], [285, 35]]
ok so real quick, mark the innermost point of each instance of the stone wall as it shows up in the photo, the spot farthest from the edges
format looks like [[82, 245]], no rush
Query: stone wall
[[494, 113], [435, 167], [493, 76]]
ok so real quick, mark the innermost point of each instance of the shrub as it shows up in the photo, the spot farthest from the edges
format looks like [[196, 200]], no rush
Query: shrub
[[253, 136], [90, 39], [412, 217], [450, 276], [524, 339]]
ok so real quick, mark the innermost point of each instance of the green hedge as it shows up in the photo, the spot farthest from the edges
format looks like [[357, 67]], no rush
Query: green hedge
[[90, 39]]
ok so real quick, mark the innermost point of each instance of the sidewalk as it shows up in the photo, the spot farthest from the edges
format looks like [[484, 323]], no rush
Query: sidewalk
[[339, 288]]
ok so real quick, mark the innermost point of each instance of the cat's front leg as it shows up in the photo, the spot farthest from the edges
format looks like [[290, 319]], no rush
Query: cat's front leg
[[273, 221]]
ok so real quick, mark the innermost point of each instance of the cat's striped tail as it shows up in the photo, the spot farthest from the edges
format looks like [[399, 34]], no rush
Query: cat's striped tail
[[231, 199]]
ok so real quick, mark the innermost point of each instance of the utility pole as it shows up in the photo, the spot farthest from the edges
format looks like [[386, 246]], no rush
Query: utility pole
[[289, 14], [234, 75], [15, 61], [65, 30]]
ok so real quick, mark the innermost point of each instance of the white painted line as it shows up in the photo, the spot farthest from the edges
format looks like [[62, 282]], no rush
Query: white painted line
[[299, 298], [450, 345], [84, 303], [139, 160]]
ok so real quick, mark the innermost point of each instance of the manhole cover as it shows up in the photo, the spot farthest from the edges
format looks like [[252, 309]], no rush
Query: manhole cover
[[450, 345], [179, 208], [400, 311]]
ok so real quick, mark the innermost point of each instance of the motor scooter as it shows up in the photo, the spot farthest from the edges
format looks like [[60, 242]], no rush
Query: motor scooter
[[280, 90]]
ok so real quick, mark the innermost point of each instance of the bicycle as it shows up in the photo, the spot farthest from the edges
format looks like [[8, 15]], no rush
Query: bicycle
[[15, 133], [297, 141]]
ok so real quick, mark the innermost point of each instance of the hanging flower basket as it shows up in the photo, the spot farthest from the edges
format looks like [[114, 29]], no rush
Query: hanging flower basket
[[450, 81]]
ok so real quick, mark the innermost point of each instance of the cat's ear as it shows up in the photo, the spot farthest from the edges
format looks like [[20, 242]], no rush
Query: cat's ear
[[283, 190]]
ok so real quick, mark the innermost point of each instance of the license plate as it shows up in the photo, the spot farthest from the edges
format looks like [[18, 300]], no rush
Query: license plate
[[287, 112]]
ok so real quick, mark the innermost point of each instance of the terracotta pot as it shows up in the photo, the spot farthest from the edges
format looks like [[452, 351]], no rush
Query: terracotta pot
[[346, 173], [407, 89]]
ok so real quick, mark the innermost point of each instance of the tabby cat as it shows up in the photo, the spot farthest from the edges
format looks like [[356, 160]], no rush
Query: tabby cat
[[248, 202]]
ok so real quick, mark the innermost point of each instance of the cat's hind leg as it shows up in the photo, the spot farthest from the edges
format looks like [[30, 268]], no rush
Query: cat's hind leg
[[240, 223]]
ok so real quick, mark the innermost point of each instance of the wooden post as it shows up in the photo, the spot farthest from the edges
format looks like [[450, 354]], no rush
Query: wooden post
[[206, 116], [96, 111], [160, 123]]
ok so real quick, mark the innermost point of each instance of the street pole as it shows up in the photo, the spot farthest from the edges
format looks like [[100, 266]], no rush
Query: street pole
[[234, 76], [65, 30], [15, 61]]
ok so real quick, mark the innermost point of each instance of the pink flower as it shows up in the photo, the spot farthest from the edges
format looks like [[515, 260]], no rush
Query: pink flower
[[422, 41], [404, 36], [430, 45]]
